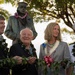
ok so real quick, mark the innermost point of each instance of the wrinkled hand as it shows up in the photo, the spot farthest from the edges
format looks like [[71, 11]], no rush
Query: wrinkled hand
[[31, 60], [18, 58]]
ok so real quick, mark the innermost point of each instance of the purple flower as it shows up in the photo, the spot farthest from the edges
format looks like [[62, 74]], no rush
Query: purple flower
[[17, 16]]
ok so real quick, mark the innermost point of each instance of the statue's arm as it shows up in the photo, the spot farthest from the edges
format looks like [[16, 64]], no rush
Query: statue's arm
[[9, 32]]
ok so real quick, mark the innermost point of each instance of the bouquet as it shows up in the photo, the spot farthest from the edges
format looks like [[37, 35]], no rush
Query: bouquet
[[48, 60]]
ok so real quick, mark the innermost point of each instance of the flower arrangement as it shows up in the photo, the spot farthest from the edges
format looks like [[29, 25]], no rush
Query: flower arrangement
[[48, 60], [54, 66]]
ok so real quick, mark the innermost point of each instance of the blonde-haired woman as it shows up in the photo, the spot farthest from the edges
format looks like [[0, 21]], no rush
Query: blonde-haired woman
[[54, 47]]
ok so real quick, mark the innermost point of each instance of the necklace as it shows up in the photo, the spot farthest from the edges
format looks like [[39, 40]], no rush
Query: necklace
[[51, 45], [17, 16], [52, 49]]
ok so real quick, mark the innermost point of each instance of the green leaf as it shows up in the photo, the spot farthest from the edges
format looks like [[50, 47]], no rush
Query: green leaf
[[2, 1]]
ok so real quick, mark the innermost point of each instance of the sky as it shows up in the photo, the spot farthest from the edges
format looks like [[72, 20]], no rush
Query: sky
[[40, 27]]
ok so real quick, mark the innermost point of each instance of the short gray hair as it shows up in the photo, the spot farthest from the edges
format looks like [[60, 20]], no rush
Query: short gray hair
[[25, 29]]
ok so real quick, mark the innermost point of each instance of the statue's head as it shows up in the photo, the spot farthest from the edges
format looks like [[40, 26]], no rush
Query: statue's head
[[21, 7]]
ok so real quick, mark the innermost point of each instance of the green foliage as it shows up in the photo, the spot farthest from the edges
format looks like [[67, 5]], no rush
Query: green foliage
[[10, 62], [7, 62], [13, 2], [55, 66], [45, 10], [1, 1], [4, 13]]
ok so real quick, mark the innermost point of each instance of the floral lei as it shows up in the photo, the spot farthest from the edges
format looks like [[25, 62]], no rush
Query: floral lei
[[32, 46], [10, 62], [17, 15], [6, 61]]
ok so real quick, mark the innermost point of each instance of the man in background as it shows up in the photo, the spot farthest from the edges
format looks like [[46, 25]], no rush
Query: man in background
[[3, 53]]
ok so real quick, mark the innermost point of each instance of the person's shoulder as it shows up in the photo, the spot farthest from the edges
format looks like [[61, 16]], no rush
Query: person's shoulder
[[15, 45], [64, 43], [12, 17], [71, 44], [43, 44], [28, 16]]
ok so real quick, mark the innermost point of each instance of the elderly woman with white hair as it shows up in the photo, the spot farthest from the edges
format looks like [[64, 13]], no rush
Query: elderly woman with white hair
[[24, 48]]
